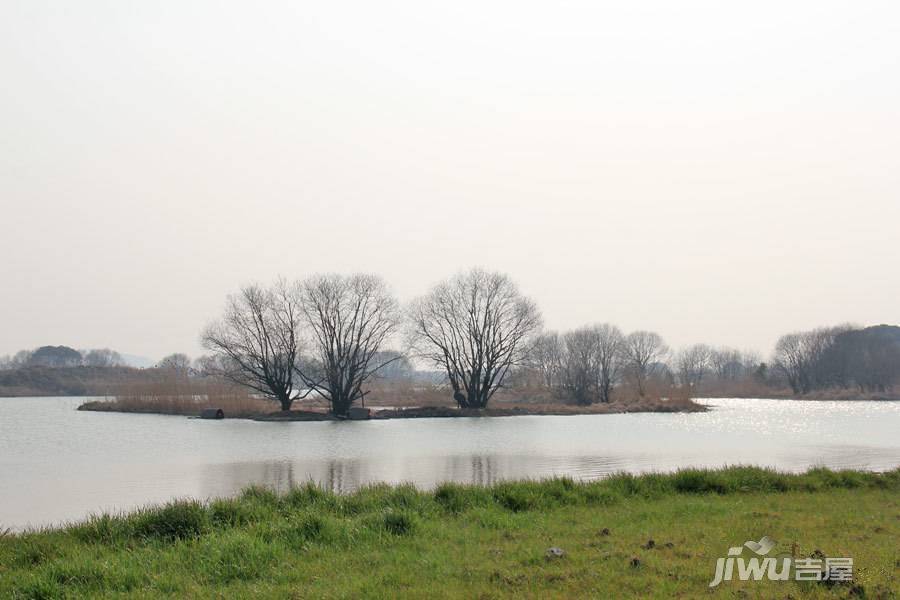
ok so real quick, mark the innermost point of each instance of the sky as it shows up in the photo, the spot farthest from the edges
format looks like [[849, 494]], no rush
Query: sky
[[715, 171]]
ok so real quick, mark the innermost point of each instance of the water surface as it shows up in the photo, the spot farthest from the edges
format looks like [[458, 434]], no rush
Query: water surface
[[57, 464]]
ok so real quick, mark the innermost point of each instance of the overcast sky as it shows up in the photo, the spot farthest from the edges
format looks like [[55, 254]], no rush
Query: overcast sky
[[716, 171]]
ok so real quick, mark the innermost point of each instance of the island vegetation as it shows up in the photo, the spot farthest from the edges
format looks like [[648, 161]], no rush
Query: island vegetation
[[648, 536], [317, 347]]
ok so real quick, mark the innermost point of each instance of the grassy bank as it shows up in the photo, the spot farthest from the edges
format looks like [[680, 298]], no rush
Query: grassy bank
[[461, 541]]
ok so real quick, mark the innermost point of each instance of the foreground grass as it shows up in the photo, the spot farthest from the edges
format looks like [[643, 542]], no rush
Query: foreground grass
[[462, 541]]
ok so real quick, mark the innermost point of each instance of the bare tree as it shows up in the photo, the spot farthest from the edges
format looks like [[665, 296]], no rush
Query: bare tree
[[349, 318], [476, 327], [20, 359], [206, 365], [610, 343], [726, 364], [580, 368], [178, 362], [397, 366], [546, 358], [642, 349], [591, 362], [801, 358], [819, 344], [102, 357], [256, 342], [791, 360], [692, 364], [750, 359]]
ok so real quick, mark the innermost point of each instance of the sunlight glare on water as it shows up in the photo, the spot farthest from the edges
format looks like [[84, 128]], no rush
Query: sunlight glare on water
[[59, 464]]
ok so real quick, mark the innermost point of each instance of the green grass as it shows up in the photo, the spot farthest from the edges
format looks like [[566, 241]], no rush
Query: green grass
[[468, 541]]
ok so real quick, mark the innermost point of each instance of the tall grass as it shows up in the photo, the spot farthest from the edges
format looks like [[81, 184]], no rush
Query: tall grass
[[524, 393], [170, 392], [177, 394], [400, 393]]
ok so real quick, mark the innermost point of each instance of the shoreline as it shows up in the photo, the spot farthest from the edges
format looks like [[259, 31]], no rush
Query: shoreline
[[428, 412]]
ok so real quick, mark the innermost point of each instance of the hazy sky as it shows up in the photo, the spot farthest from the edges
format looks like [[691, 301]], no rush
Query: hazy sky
[[716, 171]]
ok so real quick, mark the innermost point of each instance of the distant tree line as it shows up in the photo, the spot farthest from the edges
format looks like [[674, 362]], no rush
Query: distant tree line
[[59, 357], [62, 356], [840, 357], [329, 334], [587, 363], [699, 363]]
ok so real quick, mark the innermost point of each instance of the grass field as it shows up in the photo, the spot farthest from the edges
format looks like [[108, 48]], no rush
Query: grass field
[[476, 542]]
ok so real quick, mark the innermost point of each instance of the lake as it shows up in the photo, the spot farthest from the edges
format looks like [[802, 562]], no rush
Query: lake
[[57, 464]]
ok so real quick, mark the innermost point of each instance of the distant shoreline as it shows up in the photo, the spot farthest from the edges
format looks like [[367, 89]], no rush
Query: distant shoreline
[[824, 396]]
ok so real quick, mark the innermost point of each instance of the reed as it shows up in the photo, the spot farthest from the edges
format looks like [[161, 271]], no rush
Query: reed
[[177, 394]]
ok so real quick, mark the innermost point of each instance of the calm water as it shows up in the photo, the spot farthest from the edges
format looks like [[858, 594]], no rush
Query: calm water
[[57, 464]]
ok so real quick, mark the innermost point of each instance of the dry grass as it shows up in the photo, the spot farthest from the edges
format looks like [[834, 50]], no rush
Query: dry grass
[[740, 388], [407, 393], [180, 395], [655, 394], [175, 394], [535, 399], [654, 390]]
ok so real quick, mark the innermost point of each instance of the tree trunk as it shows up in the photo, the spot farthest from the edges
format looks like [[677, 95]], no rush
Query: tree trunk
[[286, 401], [472, 397], [340, 405], [478, 399], [604, 392], [643, 376]]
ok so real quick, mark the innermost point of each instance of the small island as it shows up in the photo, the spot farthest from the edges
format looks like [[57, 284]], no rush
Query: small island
[[191, 407]]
